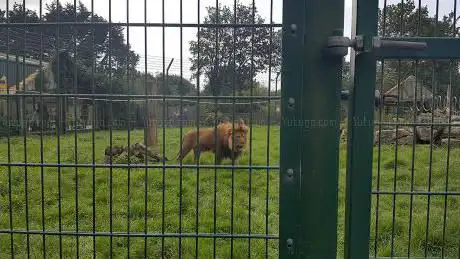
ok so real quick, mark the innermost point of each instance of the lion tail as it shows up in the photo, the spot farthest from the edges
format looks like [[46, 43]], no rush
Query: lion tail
[[185, 148], [181, 154]]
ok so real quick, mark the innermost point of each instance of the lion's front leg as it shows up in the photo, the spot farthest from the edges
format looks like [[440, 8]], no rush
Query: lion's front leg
[[196, 153], [235, 158], [218, 159], [235, 161]]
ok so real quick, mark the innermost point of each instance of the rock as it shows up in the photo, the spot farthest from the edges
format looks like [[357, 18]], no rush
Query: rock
[[424, 132], [406, 140], [402, 135], [439, 131], [384, 136], [454, 131], [453, 142]]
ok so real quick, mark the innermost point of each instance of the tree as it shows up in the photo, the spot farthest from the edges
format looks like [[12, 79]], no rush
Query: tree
[[109, 47], [175, 85], [15, 39], [407, 20], [227, 58], [81, 56], [101, 43]]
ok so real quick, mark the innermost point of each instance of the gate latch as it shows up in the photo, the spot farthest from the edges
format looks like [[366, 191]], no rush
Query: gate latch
[[338, 45]]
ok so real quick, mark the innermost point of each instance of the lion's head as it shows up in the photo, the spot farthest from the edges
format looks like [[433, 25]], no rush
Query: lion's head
[[237, 137]]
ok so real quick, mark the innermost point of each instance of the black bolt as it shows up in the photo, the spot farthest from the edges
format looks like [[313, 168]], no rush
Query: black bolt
[[289, 243], [293, 28], [291, 102]]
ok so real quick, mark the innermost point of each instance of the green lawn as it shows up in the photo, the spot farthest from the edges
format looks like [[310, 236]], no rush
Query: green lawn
[[256, 193]]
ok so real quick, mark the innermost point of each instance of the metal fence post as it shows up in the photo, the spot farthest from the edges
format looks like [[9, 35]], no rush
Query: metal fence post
[[292, 82], [360, 135], [310, 126]]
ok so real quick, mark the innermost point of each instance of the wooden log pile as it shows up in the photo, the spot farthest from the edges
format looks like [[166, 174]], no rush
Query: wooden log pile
[[137, 152]]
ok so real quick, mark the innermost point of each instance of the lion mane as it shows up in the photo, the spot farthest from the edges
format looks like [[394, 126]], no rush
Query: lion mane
[[231, 141]]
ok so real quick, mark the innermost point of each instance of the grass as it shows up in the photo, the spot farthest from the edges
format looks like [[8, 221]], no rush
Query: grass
[[214, 200]]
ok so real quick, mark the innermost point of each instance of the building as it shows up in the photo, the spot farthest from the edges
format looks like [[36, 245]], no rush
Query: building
[[25, 75]]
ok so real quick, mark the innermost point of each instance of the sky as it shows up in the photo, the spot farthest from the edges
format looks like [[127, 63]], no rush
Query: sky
[[171, 48]]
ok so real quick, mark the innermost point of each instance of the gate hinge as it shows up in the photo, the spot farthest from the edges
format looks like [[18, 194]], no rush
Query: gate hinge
[[338, 45]]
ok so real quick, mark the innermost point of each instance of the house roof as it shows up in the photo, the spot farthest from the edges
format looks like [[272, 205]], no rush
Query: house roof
[[407, 90]]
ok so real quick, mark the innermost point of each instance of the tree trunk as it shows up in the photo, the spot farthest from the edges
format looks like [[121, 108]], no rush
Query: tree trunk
[[152, 136]]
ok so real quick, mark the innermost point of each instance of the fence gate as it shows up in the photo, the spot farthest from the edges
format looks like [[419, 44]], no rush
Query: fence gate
[[403, 216]]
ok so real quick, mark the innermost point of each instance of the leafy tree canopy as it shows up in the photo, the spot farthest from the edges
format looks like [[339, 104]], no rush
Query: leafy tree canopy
[[174, 85], [101, 46], [229, 56]]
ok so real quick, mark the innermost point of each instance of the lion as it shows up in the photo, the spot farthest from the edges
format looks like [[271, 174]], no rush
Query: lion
[[230, 143]]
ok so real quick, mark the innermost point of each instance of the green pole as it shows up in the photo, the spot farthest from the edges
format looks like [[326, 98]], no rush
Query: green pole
[[360, 133], [311, 83]]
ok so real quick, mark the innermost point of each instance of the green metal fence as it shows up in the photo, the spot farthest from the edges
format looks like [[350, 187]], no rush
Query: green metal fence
[[414, 183], [388, 187], [397, 199], [417, 199], [117, 190]]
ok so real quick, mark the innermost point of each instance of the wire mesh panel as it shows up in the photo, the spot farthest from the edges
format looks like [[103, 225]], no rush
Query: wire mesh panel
[[92, 130], [415, 180]]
